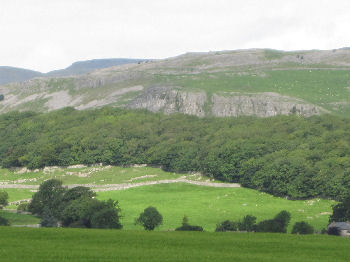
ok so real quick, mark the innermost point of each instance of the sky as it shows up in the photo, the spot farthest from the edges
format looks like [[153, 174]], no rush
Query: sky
[[45, 35]]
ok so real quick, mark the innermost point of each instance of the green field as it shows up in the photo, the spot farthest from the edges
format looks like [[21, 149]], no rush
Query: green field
[[207, 206], [19, 219], [204, 206], [26, 244]]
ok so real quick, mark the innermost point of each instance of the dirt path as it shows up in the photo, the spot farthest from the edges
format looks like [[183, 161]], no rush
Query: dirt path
[[110, 187]]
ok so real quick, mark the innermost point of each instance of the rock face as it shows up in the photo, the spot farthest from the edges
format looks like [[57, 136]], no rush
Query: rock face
[[261, 105], [174, 100], [170, 100]]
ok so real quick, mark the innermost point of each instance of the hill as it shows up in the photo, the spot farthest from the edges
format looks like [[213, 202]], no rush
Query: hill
[[83, 67], [114, 245], [258, 82], [12, 74]]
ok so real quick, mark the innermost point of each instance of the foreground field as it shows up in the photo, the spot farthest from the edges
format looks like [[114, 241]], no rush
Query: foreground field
[[25, 244], [207, 206]]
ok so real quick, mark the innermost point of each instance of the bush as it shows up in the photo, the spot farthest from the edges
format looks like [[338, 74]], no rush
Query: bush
[[278, 224], [150, 218], [335, 231], [3, 199], [4, 222], [187, 227], [302, 228], [227, 225], [47, 218], [22, 207], [248, 224]]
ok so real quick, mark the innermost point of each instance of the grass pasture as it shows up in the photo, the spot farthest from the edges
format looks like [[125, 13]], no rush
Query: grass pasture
[[207, 206], [19, 219], [112, 245]]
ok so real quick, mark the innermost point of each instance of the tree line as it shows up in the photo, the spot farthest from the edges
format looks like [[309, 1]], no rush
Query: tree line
[[289, 156]]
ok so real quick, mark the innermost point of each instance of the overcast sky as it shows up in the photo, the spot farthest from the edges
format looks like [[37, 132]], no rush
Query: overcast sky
[[51, 34]]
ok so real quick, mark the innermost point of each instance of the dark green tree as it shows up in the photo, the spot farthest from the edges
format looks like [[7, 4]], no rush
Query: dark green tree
[[226, 225], [49, 195], [150, 218], [47, 218], [302, 228], [341, 211], [3, 199], [248, 223], [4, 222]]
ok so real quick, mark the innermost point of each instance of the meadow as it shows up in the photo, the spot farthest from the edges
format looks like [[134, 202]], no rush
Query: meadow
[[61, 244], [207, 206], [19, 219]]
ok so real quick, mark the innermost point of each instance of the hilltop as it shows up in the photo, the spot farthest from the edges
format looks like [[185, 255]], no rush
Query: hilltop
[[259, 82], [14, 74]]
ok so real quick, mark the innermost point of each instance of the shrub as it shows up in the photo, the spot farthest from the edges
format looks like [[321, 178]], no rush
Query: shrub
[[248, 223], [3, 199], [150, 218], [48, 219], [187, 227], [278, 224], [302, 228], [22, 207], [335, 231], [4, 221], [227, 225]]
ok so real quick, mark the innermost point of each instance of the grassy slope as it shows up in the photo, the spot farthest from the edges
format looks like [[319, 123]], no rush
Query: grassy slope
[[208, 206], [319, 87], [205, 206], [89, 175], [112, 245]]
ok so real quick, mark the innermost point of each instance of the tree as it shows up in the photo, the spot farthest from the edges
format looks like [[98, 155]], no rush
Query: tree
[[248, 223], [50, 195], [226, 225], [92, 213], [302, 228], [47, 218], [341, 211], [150, 218], [187, 227], [278, 224], [3, 198]]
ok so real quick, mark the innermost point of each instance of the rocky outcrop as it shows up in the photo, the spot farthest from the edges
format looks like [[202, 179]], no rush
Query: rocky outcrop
[[170, 100], [261, 105], [174, 100]]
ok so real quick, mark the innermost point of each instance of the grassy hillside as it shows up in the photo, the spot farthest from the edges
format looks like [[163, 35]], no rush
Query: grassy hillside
[[206, 206], [320, 78], [112, 245]]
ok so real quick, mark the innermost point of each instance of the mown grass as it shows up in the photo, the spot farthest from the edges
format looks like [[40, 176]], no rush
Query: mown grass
[[207, 206], [26, 244], [19, 219]]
